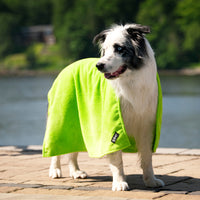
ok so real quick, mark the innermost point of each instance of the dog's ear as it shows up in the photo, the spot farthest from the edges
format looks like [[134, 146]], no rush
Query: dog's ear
[[100, 38], [136, 32], [134, 29]]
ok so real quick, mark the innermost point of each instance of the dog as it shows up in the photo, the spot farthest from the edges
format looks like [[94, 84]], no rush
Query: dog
[[127, 61]]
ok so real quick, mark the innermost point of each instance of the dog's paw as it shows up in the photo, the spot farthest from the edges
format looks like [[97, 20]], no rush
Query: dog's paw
[[120, 186], [78, 174], [154, 182], [55, 172]]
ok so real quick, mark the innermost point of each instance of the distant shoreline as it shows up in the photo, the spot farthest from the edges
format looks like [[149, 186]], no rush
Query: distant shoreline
[[32, 73], [181, 72], [27, 73]]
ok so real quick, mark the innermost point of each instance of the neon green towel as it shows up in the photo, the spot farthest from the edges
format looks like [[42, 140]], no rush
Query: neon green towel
[[84, 114]]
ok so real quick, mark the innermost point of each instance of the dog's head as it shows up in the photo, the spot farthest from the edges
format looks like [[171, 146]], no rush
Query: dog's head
[[123, 48]]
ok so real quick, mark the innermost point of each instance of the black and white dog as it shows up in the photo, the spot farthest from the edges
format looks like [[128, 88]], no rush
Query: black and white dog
[[127, 61]]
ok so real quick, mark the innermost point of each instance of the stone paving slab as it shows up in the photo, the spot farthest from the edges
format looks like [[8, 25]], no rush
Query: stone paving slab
[[24, 175]]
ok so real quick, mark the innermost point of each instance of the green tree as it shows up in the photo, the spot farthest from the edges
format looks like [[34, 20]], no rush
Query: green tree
[[77, 22], [175, 25], [15, 14], [188, 13], [72, 25], [30, 12], [165, 38], [8, 31]]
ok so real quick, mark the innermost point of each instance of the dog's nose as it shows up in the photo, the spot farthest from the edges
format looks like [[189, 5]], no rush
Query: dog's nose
[[100, 66]]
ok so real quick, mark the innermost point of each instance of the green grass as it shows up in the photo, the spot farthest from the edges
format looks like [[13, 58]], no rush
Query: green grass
[[15, 62]]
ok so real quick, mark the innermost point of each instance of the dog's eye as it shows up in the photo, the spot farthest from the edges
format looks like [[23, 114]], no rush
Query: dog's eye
[[119, 49]]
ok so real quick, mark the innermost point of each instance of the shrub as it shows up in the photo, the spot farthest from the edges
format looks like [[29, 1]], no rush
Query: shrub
[[15, 61]]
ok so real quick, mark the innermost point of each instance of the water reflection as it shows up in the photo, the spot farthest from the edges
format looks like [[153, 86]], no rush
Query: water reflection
[[181, 112], [23, 110]]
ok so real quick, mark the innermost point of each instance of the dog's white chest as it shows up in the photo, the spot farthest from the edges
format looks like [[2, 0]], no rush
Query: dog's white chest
[[138, 103]]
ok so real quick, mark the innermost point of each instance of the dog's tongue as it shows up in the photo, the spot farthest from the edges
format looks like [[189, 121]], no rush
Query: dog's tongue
[[116, 74]]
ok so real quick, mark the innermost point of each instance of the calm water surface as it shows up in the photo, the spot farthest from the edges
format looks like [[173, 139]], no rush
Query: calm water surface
[[23, 108]]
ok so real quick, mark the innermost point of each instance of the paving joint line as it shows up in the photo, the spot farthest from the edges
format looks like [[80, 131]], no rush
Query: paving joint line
[[158, 197], [176, 162], [15, 190], [173, 172]]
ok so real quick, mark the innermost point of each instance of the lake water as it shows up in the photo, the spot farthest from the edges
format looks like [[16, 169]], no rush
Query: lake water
[[23, 108]]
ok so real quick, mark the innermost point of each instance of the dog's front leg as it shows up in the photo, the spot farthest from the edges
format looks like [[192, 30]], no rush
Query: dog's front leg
[[55, 168], [74, 170], [116, 166], [148, 175]]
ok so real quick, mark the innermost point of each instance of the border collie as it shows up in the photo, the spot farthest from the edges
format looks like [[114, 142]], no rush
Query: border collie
[[127, 61]]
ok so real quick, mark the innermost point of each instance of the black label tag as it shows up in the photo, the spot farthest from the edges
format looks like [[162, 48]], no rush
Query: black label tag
[[114, 138]]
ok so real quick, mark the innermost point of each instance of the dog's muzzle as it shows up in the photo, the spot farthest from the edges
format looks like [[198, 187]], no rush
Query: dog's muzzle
[[116, 74]]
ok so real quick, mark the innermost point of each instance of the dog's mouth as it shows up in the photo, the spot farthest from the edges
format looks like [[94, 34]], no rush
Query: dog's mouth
[[117, 73]]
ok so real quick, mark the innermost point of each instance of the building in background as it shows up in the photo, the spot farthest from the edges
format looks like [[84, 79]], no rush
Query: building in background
[[40, 33]]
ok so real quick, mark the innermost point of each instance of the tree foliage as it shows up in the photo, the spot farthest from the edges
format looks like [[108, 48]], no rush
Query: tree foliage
[[7, 31], [77, 23], [175, 25], [165, 38]]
